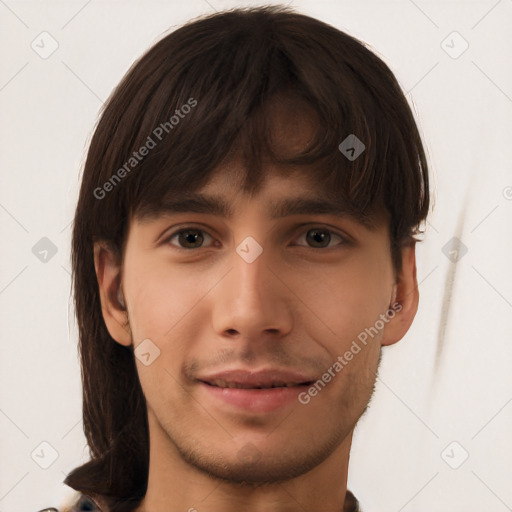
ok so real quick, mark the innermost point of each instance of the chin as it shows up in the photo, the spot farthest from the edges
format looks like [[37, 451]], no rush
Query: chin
[[256, 466]]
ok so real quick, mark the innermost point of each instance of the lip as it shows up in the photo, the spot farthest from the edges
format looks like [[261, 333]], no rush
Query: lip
[[260, 378], [256, 400]]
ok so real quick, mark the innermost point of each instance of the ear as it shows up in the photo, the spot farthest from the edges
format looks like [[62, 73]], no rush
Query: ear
[[108, 274], [404, 303]]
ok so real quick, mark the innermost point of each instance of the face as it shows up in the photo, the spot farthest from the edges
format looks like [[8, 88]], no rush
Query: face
[[298, 294]]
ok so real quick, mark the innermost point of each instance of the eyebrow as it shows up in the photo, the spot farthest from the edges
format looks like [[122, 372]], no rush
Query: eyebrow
[[215, 205]]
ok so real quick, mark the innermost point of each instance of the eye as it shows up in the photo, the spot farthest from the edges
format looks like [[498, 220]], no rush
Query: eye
[[190, 237], [193, 238], [320, 237]]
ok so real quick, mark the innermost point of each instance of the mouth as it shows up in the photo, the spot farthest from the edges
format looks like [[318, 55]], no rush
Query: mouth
[[221, 383], [243, 398], [243, 390]]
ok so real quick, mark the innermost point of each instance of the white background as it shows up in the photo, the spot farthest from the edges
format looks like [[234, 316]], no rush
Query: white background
[[448, 380]]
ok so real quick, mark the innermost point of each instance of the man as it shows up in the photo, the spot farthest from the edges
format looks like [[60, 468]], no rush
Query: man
[[243, 248]]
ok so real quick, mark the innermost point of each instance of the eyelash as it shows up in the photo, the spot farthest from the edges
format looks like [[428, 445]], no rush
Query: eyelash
[[167, 240]]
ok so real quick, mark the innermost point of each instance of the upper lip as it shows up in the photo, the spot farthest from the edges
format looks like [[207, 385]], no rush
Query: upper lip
[[262, 378]]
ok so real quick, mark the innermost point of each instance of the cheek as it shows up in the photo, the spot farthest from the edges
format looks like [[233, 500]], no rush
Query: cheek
[[159, 299], [168, 302], [347, 298], [162, 300]]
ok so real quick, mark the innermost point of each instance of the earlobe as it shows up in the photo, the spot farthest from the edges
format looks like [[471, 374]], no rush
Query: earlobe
[[108, 274], [405, 299]]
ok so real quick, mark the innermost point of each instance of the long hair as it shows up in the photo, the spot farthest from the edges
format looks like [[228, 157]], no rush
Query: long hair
[[198, 94]]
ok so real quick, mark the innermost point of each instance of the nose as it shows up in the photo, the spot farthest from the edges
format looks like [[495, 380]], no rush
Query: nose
[[252, 302]]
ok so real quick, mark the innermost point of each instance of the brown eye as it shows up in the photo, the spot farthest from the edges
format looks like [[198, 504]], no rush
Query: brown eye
[[188, 238], [320, 238], [194, 238]]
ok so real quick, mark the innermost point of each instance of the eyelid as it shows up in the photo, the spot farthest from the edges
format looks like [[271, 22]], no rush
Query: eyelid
[[304, 228], [344, 239], [166, 239]]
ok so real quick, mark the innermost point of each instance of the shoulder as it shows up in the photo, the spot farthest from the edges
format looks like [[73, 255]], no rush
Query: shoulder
[[80, 503]]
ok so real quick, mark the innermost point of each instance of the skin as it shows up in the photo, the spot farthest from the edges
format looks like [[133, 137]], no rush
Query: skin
[[298, 305]]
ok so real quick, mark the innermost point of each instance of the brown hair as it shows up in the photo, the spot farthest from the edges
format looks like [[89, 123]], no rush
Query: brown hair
[[229, 69]]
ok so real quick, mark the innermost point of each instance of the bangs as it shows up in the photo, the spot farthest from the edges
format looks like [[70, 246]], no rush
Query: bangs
[[285, 135]]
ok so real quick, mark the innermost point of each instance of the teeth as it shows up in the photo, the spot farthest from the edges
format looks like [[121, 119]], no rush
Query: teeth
[[221, 383]]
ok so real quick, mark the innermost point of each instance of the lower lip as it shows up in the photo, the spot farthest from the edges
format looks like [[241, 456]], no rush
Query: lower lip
[[256, 400]]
